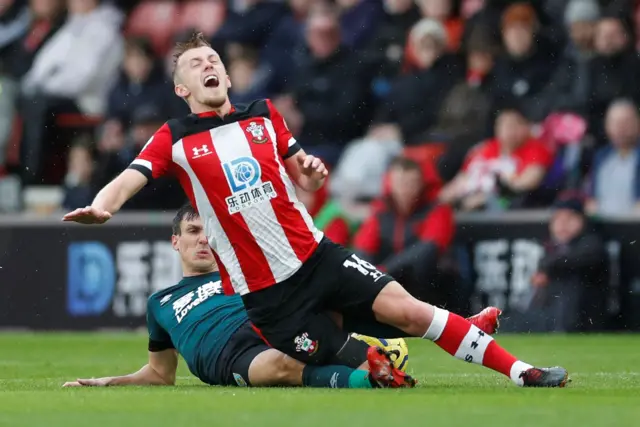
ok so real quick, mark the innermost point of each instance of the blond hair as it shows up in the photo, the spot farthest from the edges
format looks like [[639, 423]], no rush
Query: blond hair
[[195, 41]]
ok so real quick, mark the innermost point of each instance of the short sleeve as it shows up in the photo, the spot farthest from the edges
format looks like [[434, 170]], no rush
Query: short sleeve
[[286, 143], [159, 339], [538, 155], [155, 158], [474, 154]]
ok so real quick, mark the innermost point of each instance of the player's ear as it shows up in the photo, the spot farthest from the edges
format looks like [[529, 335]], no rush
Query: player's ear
[[182, 91], [228, 81], [174, 242]]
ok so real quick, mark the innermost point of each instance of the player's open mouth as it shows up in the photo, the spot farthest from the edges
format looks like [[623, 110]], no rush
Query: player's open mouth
[[211, 81]]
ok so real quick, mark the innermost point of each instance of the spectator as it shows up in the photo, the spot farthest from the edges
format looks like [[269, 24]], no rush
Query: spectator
[[327, 214], [501, 172], [409, 233], [142, 81], [615, 187], [568, 89], [443, 12], [570, 287], [73, 70], [251, 80], [329, 90], [45, 17], [14, 22], [524, 70], [77, 183], [251, 26], [416, 97], [359, 20], [286, 39], [117, 149], [386, 50], [613, 72], [358, 176], [465, 117]]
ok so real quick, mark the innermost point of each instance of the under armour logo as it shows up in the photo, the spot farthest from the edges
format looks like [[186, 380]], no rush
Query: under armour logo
[[199, 152]]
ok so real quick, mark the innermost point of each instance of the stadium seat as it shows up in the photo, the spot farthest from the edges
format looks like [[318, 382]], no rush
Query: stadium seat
[[155, 20], [429, 152], [77, 120], [204, 15]]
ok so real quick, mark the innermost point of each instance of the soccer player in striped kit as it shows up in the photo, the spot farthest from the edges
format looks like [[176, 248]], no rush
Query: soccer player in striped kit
[[238, 166]]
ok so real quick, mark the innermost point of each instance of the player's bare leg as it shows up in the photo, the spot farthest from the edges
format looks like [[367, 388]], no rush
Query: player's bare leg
[[458, 337], [273, 368]]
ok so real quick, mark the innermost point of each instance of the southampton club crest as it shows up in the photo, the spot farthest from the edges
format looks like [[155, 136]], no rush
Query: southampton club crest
[[257, 131], [304, 343]]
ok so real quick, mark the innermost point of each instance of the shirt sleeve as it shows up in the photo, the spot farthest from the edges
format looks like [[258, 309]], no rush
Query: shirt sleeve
[[159, 339], [286, 143], [155, 158], [539, 155]]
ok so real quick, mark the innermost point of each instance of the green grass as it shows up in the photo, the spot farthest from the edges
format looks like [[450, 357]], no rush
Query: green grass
[[605, 390]]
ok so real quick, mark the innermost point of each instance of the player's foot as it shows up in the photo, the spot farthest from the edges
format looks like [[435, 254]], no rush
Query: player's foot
[[488, 320], [545, 377], [383, 373]]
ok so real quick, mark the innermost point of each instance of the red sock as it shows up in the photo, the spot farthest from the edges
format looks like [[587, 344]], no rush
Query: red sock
[[461, 339]]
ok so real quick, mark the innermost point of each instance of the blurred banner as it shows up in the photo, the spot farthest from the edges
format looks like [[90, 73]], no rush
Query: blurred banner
[[70, 277]]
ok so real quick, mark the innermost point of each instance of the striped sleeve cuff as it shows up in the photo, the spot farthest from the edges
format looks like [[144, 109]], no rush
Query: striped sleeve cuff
[[156, 346], [293, 149], [145, 167]]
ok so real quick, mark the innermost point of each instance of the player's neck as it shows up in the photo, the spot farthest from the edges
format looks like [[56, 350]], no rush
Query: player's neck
[[193, 273], [221, 111]]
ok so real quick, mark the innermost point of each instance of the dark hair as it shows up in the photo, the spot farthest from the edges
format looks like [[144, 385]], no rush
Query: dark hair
[[511, 108], [140, 44], [185, 213], [195, 41], [405, 164]]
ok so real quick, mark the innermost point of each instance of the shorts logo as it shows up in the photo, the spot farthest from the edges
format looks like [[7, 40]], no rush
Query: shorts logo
[[304, 343], [365, 268], [257, 132], [239, 380], [243, 175]]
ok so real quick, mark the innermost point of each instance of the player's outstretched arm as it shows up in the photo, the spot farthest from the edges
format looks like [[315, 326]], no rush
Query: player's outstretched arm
[[308, 171], [110, 199], [161, 370]]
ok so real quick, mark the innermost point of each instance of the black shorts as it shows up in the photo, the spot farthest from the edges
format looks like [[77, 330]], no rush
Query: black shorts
[[232, 367], [292, 315]]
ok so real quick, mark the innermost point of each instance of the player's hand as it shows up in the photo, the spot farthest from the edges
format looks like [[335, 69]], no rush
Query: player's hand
[[88, 215], [94, 382], [312, 167]]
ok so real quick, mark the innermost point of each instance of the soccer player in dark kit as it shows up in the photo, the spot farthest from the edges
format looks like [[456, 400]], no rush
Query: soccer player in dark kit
[[212, 333], [238, 165]]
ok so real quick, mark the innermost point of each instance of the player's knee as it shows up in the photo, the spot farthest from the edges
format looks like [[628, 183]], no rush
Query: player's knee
[[417, 316], [397, 307], [287, 371]]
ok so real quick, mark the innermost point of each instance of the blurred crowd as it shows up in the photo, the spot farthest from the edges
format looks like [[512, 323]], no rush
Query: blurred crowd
[[419, 107]]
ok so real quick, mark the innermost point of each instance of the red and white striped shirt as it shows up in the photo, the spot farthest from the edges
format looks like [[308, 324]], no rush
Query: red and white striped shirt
[[232, 170]]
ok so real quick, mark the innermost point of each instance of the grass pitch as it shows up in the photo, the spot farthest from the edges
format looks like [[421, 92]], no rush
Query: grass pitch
[[605, 390]]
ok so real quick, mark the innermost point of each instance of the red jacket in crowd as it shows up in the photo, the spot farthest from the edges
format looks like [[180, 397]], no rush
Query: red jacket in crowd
[[391, 240]]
